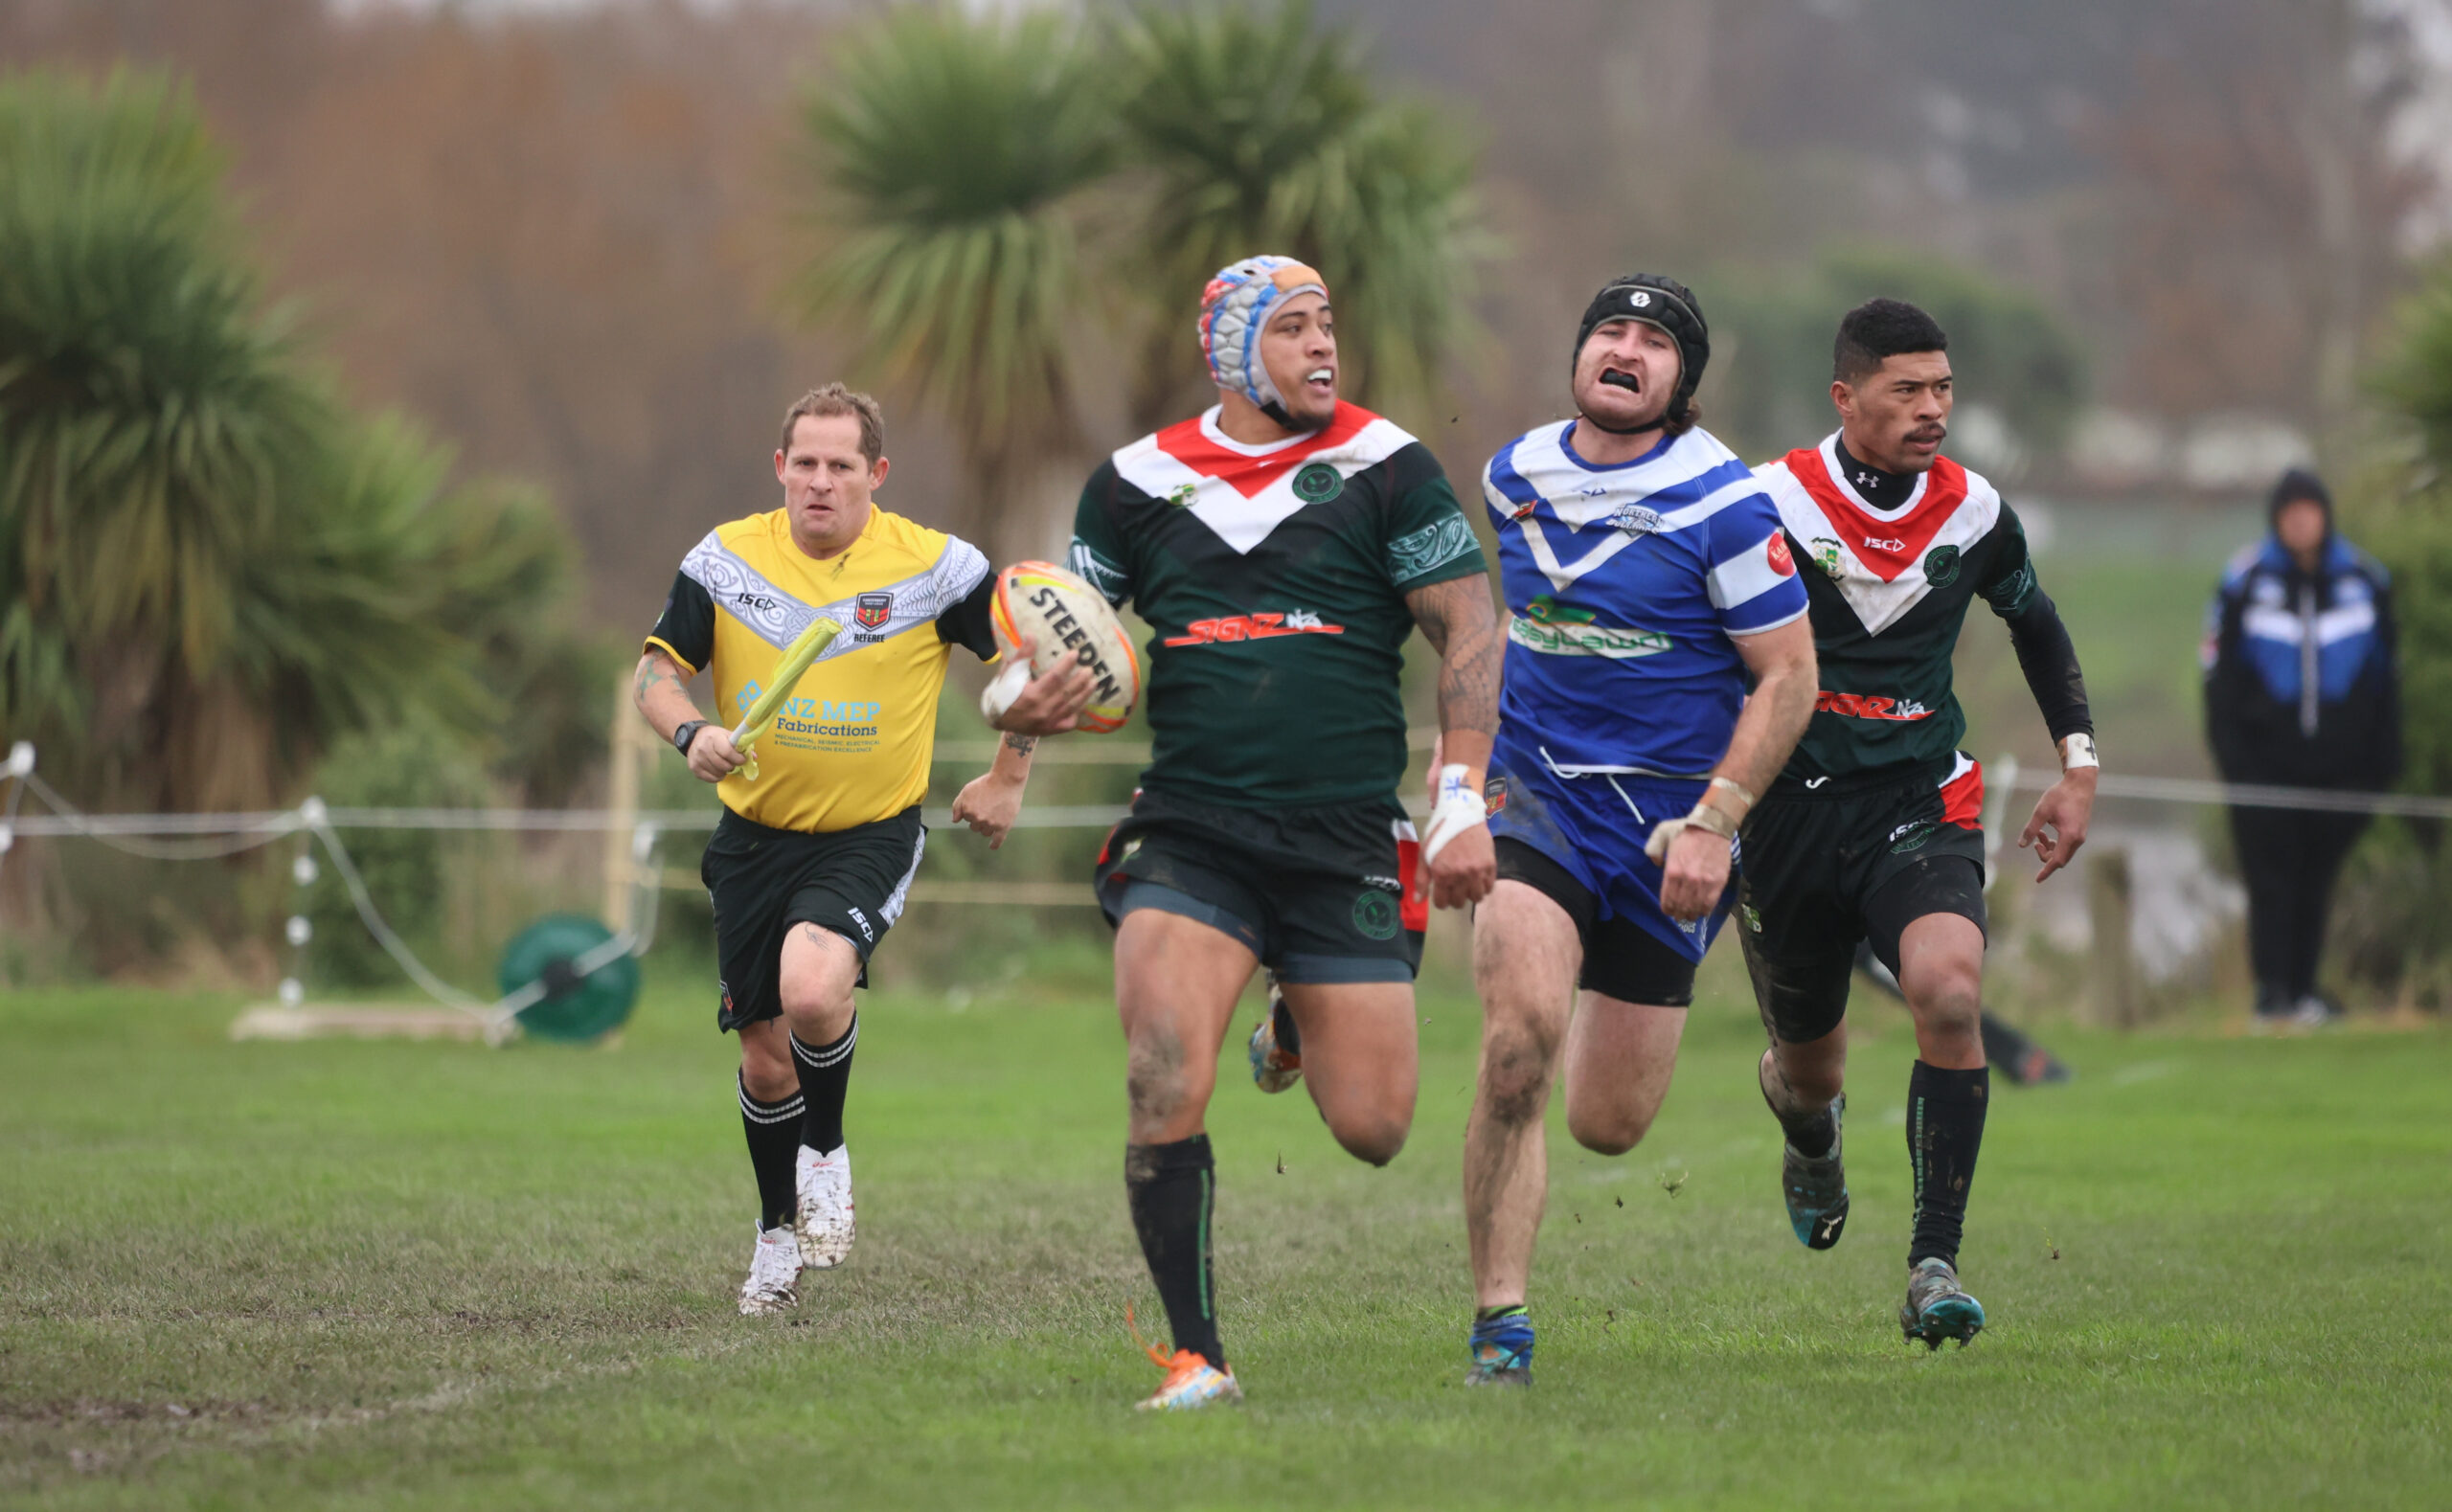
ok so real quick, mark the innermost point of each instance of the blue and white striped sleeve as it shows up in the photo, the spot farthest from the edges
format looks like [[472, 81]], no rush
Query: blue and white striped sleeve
[[1753, 579]]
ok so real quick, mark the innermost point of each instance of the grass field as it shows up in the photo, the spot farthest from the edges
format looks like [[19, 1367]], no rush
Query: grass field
[[383, 1274]]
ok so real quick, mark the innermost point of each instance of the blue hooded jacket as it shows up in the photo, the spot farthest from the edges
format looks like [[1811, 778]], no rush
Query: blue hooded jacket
[[2301, 682]]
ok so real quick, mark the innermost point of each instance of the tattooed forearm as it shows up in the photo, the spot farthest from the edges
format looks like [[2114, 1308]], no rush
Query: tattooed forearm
[[1023, 744], [654, 667], [1468, 683], [1457, 619], [661, 691]]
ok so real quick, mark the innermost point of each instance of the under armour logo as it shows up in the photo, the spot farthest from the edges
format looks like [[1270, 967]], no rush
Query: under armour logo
[[1865, 480]]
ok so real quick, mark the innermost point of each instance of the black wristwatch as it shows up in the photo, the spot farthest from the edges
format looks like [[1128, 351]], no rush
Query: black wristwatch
[[687, 733]]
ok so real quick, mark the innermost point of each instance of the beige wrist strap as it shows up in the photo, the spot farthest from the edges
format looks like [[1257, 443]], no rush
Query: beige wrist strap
[[1718, 820]]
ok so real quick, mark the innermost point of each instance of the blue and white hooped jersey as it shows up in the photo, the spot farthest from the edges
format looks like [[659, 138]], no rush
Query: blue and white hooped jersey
[[1624, 584]]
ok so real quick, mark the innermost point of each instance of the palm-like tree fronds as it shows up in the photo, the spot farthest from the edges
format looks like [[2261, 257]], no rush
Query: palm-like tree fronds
[[147, 416], [209, 569], [1265, 134], [953, 155]]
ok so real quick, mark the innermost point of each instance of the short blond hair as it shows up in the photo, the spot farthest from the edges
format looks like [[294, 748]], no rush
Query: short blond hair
[[836, 400]]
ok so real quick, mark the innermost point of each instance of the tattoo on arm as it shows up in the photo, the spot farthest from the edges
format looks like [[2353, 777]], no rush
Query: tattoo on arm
[[1456, 620], [653, 667], [1022, 745]]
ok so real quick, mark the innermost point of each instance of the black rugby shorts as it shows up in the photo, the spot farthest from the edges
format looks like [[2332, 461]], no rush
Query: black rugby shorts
[[1318, 894], [1859, 859], [762, 881], [1622, 959]]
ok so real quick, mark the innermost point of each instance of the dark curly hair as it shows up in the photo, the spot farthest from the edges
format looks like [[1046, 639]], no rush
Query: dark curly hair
[[1879, 328]]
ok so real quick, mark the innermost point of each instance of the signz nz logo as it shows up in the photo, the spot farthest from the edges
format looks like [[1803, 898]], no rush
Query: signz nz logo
[[1868, 706], [1253, 627]]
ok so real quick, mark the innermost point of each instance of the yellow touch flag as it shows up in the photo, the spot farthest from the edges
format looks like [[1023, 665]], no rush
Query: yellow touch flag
[[804, 652]]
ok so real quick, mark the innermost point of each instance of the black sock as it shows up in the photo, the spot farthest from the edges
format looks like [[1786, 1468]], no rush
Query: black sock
[[774, 1130], [1812, 1134], [1172, 1188], [825, 1075], [1944, 1130]]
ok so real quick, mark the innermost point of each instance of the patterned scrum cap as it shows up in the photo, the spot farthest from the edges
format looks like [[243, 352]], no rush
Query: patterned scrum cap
[[1233, 311]]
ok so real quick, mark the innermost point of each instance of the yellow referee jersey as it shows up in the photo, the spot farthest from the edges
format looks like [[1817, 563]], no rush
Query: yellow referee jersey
[[854, 742]]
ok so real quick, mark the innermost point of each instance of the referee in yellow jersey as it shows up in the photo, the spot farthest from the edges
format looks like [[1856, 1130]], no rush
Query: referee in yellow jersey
[[810, 863]]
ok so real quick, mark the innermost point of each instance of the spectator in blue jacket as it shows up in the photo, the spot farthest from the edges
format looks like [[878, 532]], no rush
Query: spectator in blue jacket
[[2302, 689]]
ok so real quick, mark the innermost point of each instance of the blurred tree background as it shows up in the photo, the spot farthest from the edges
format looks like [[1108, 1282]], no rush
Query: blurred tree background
[[210, 567], [2393, 923], [491, 307], [953, 168]]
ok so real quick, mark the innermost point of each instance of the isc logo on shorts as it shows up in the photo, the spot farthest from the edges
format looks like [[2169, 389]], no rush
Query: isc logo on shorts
[[862, 919]]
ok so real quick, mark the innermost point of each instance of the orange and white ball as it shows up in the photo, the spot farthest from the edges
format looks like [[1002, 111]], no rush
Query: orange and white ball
[[1068, 621]]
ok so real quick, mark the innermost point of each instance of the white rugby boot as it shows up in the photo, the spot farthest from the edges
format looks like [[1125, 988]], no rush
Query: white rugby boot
[[774, 1274], [823, 1183], [1191, 1382]]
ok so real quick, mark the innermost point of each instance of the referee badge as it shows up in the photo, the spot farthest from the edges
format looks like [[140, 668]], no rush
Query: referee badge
[[871, 610]]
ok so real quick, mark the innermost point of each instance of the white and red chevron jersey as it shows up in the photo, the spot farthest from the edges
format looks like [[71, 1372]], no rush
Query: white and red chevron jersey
[[1274, 581], [1888, 589]]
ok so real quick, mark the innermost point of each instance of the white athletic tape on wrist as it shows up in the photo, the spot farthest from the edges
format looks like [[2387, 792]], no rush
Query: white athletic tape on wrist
[[1744, 795], [1458, 809], [1003, 688], [2076, 751], [1706, 817]]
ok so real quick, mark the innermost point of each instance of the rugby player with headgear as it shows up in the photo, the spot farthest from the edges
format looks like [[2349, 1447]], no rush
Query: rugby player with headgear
[[1281, 548], [1874, 831], [1648, 587]]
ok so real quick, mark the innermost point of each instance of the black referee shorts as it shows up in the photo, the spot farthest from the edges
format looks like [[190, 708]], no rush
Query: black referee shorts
[[763, 881], [1859, 859]]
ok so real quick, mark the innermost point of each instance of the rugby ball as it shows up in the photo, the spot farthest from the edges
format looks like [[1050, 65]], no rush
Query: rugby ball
[[1068, 621]]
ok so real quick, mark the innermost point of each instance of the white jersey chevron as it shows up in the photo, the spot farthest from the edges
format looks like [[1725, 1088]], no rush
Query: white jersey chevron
[[1243, 492], [1883, 562]]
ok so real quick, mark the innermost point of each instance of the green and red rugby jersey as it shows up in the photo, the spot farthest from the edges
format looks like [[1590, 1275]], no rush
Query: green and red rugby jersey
[[1273, 580], [1888, 591]]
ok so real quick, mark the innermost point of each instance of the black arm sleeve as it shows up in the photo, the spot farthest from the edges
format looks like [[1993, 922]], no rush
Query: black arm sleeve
[[967, 623], [2050, 660], [687, 627]]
